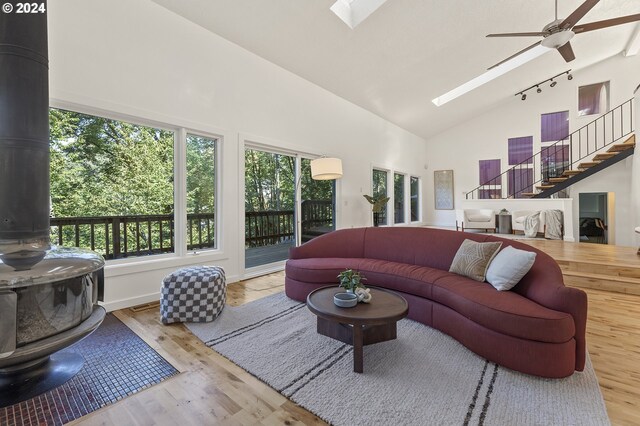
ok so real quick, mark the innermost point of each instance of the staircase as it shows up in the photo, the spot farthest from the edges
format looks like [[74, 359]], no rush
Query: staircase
[[603, 142]]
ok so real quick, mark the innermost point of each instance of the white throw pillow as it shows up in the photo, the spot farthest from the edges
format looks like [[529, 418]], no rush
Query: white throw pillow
[[519, 219], [508, 267]]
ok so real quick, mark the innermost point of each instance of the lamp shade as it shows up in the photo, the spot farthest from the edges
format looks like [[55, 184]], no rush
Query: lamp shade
[[326, 168]]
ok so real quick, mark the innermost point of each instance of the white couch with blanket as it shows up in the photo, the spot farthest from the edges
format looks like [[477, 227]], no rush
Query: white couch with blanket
[[518, 217]]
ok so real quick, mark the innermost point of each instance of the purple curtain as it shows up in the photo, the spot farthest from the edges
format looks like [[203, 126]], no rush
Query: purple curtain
[[490, 172], [554, 126], [520, 149], [519, 180]]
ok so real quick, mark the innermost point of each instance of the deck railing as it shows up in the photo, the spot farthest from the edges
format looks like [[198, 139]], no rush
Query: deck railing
[[117, 237], [123, 236], [566, 154]]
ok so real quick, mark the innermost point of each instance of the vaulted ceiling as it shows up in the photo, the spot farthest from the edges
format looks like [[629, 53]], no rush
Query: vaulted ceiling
[[408, 51]]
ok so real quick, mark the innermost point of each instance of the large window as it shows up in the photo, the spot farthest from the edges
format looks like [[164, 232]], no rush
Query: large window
[[490, 179], [398, 198], [414, 183], [380, 190], [201, 192], [111, 185]]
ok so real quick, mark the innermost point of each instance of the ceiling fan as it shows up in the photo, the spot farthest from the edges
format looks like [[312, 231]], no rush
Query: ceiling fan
[[558, 33]]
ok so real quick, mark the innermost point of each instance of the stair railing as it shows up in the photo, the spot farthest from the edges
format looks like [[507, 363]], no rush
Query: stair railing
[[553, 160]]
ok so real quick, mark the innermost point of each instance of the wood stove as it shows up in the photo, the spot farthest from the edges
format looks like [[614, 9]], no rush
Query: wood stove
[[48, 296]]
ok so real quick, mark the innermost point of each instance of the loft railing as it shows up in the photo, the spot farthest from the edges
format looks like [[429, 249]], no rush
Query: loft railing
[[553, 160]]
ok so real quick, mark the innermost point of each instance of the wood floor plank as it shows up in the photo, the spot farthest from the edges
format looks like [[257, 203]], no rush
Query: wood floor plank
[[212, 390]]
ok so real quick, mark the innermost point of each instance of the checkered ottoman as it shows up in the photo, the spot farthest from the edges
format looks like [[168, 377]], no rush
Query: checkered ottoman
[[193, 294]]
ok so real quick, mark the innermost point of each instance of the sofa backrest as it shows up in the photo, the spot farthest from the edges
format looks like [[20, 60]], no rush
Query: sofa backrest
[[431, 247]]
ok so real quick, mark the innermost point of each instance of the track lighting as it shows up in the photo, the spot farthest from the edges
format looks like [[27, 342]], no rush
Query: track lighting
[[523, 93]]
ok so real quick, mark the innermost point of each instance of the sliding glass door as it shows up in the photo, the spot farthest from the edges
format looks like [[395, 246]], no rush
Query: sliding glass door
[[284, 206]]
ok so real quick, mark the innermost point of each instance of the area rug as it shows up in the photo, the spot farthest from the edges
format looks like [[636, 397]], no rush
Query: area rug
[[422, 378], [118, 363]]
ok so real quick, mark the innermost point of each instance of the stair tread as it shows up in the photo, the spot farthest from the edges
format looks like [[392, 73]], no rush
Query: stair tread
[[544, 186], [558, 179], [604, 156], [571, 172], [588, 164], [527, 194]]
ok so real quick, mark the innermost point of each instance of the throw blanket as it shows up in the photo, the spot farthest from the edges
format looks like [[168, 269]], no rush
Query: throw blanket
[[531, 225], [553, 230]]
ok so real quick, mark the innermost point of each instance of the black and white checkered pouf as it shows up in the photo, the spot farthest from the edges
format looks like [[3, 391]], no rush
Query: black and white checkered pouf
[[193, 294]]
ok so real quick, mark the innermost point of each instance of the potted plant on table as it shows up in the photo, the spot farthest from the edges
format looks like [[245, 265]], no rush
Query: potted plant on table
[[377, 204], [351, 281]]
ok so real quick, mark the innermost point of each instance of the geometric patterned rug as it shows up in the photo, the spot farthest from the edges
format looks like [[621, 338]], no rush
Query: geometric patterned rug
[[118, 363]]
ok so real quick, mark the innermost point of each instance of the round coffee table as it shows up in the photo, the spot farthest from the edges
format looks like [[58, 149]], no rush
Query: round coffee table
[[364, 324]]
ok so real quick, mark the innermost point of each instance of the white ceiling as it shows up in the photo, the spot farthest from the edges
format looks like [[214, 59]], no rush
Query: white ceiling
[[408, 51]]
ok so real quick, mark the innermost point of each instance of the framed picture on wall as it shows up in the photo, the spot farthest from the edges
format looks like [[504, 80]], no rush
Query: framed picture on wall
[[443, 189]]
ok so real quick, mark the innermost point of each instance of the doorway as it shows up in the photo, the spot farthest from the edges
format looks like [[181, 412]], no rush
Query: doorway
[[594, 217], [284, 206]]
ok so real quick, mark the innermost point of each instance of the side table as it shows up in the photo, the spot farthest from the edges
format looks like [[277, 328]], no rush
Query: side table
[[504, 223]]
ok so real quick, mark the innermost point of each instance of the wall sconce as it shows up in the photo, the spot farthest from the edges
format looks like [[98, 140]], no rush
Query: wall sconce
[[326, 168], [523, 93]]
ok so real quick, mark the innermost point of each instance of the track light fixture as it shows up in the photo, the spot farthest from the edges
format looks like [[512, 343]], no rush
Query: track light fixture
[[523, 93]]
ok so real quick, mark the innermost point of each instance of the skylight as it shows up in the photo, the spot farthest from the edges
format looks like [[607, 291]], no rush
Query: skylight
[[353, 12], [491, 74]]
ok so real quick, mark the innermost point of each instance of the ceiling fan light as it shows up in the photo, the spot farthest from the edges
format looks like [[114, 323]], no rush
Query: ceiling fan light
[[558, 39]]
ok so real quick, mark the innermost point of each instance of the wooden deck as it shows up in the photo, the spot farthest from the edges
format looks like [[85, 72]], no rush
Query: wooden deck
[[256, 256]]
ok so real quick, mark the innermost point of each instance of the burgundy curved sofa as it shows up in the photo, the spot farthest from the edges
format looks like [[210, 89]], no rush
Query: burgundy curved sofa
[[537, 328]]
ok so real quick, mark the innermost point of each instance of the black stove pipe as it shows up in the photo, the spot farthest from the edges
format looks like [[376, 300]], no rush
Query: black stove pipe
[[24, 138]]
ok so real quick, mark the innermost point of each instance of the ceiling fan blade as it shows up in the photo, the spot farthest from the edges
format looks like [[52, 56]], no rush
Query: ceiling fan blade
[[606, 23], [567, 52], [536, 34], [577, 14], [516, 54]]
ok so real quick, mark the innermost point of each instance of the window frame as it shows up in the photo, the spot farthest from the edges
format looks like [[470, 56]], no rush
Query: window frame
[[388, 173], [180, 256], [419, 201]]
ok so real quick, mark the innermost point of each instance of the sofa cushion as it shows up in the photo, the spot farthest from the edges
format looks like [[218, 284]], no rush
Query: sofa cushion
[[505, 312], [411, 279], [508, 267], [479, 218], [519, 219], [320, 269], [473, 258]]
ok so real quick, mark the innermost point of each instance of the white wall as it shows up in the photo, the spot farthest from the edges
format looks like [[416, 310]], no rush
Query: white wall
[[485, 137], [635, 181], [135, 58]]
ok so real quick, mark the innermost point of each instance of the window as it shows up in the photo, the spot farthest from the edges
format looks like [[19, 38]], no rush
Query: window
[[490, 179], [111, 185], [520, 150], [519, 181], [555, 160], [380, 189], [201, 192], [554, 126], [593, 99], [414, 184], [398, 198]]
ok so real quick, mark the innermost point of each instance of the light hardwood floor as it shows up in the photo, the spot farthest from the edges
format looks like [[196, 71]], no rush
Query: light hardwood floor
[[212, 390]]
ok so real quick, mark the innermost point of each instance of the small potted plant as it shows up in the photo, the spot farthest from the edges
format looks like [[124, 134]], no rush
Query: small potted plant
[[350, 280], [377, 204]]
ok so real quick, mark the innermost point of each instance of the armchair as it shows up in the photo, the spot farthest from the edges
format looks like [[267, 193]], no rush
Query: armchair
[[475, 219], [517, 220]]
